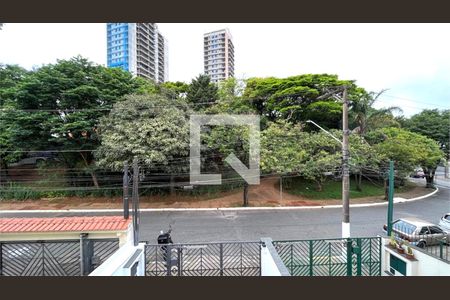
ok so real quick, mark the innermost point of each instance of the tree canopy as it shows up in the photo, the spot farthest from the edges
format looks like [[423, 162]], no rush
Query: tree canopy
[[434, 124], [201, 92], [161, 140], [297, 98], [408, 150]]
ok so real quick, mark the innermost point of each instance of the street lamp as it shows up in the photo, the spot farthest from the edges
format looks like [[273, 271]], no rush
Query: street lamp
[[345, 171], [326, 131]]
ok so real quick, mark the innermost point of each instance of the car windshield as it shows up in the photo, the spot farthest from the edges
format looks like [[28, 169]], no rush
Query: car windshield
[[404, 227]]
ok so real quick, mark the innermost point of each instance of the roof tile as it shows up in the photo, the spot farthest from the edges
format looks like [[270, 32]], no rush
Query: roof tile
[[93, 223]]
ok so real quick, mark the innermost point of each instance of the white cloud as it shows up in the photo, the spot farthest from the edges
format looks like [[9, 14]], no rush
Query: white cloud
[[376, 55]]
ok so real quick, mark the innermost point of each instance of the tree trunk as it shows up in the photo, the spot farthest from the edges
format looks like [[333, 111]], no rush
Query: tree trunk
[[172, 185], [386, 189], [94, 177], [429, 177], [319, 186], [447, 169], [245, 194], [358, 182]]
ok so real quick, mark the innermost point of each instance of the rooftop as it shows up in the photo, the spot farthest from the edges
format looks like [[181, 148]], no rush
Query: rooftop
[[67, 224]]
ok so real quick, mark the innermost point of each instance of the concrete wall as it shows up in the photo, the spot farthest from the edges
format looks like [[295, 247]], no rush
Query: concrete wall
[[271, 263], [423, 265], [121, 263], [268, 265]]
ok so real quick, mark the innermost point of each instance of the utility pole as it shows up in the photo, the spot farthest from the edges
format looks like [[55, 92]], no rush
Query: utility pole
[[447, 166], [135, 197], [345, 157], [281, 187], [126, 206], [390, 198], [345, 169]]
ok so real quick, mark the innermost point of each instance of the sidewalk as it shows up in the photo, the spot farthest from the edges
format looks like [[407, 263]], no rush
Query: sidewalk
[[226, 203]]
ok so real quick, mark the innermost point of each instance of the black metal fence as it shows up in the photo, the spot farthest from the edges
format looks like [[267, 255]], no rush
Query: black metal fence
[[331, 257], [206, 259], [54, 258]]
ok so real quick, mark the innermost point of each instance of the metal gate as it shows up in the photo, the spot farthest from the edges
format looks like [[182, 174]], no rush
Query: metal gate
[[332, 257], [54, 258], [207, 259]]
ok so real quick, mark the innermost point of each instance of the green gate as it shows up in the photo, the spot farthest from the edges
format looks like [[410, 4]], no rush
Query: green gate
[[332, 257]]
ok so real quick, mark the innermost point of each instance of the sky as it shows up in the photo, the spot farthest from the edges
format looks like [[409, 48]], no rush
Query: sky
[[412, 61]]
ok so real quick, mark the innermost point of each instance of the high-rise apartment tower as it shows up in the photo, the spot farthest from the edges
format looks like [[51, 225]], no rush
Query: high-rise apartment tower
[[218, 55], [138, 48]]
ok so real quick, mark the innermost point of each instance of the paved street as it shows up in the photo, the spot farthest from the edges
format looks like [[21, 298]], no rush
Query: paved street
[[198, 226]]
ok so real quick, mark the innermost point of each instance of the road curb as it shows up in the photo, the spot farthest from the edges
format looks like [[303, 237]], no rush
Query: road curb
[[396, 200]]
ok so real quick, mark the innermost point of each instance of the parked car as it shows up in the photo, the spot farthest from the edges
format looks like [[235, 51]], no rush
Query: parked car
[[418, 173], [444, 223], [418, 232]]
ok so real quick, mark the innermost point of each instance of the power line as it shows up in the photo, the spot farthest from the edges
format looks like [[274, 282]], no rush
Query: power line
[[415, 101]]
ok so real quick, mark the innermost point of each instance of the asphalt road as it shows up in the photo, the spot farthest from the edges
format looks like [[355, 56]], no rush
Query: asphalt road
[[203, 226]]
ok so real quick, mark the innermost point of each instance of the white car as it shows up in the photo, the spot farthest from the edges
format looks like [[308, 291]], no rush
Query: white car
[[444, 223]]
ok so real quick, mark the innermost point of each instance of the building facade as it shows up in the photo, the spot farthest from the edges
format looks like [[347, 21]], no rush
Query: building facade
[[138, 48], [218, 55]]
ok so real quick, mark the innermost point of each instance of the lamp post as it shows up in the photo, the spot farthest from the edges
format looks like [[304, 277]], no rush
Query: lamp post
[[326, 131]]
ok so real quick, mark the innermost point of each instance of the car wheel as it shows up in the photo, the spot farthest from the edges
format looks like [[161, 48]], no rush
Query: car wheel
[[421, 244]]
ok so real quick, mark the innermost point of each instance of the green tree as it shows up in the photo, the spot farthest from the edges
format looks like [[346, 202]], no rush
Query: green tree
[[287, 149], [202, 92], [432, 123], [281, 148], [408, 150], [161, 143], [230, 99], [220, 141], [58, 106], [323, 158], [365, 117], [362, 157], [178, 89], [297, 98], [10, 77]]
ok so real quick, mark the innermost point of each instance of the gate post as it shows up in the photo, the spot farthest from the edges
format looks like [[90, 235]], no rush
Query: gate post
[[1, 259], [221, 259], [169, 260], [349, 257], [311, 257], [358, 257], [179, 263], [86, 254]]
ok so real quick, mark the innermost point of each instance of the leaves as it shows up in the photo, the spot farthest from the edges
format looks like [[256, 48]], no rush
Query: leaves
[[201, 92], [296, 98], [147, 127], [407, 149]]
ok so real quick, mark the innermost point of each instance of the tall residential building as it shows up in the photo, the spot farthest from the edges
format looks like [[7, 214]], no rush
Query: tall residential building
[[138, 48], [218, 55]]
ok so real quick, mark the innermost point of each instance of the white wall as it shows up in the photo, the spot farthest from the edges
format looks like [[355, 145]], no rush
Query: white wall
[[271, 263], [268, 265], [115, 265], [425, 264]]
